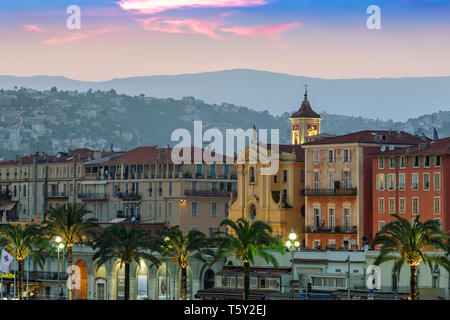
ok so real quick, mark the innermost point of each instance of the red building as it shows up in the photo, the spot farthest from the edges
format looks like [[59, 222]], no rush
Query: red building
[[412, 181]]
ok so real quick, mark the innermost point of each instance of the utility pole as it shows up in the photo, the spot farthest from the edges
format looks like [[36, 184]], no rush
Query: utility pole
[[348, 278]]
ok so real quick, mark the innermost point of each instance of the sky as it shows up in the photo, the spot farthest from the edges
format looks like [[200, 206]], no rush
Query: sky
[[314, 38]]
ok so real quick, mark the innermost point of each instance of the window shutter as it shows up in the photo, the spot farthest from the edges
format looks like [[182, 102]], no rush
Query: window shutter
[[328, 155], [350, 179], [342, 155], [349, 155], [378, 182], [395, 181]]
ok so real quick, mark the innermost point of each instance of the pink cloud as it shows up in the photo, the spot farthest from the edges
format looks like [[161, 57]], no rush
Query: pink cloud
[[156, 6], [181, 26], [76, 36], [32, 28], [271, 31]]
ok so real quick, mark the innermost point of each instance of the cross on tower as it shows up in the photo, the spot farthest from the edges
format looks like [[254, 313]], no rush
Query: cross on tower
[[306, 89]]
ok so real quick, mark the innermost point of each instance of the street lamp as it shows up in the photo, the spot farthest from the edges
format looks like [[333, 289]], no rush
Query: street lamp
[[291, 245], [59, 246]]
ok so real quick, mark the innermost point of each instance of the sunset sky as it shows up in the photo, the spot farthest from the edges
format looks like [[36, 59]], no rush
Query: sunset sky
[[124, 38]]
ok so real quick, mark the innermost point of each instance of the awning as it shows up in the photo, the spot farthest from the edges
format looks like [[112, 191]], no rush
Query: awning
[[8, 206], [94, 182]]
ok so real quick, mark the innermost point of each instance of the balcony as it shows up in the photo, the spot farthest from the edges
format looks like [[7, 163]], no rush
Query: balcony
[[41, 275], [121, 214], [57, 195], [209, 193], [129, 196], [92, 196], [337, 229], [6, 195], [330, 192]]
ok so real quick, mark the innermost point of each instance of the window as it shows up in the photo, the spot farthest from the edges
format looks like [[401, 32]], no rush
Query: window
[[391, 181], [226, 209], [346, 155], [437, 205], [391, 205], [427, 161], [316, 156], [347, 219], [194, 209], [194, 186], [437, 161], [150, 209], [415, 181], [381, 205], [214, 186], [402, 202], [150, 189], [316, 180], [403, 162], [331, 219], [170, 188], [331, 158], [380, 163], [426, 181], [213, 209], [160, 209], [380, 225], [285, 176], [316, 213], [392, 163], [401, 181], [381, 183], [415, 205], [331, 180], [416, 161], [437, 181], [160, 189], [275, 179], [284, 194], [169, 208], [347, 179], [213, 231]]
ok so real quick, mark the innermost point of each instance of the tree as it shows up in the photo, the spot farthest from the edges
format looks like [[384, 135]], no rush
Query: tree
[[22, 242], [246, 242], [125, 245], [69, 223], [410, 240], [180, 249]]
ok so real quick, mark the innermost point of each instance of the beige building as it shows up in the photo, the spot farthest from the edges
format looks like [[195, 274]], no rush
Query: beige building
[[145, 185]]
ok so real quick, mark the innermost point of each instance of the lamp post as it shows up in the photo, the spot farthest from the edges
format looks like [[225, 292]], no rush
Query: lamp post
[[59, 246], [291, 245]]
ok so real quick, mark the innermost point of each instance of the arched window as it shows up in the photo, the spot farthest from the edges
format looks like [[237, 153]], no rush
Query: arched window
[[208, 280]]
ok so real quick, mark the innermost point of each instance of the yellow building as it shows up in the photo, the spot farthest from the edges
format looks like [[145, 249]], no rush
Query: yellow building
[[305, 123]]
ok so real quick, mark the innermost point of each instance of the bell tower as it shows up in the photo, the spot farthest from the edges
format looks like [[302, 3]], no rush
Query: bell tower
[[305, 122]]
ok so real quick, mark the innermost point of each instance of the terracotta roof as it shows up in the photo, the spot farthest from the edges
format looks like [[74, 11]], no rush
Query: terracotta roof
[[82, 154], [305, 110], [438, 147], [288, 148], [152, 154], [372, 136]]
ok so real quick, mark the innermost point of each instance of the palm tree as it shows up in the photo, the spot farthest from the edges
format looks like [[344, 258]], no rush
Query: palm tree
[[69, 223], [181, 249], [411, 240], [247, 242], [23, 242], [125, 245]]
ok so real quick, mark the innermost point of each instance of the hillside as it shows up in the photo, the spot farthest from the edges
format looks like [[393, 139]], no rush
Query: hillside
[[53, 120], [384, 98]]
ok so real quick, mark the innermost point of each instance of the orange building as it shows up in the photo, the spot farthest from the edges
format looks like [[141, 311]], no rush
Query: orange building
[[338, 186], [412, 181]]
